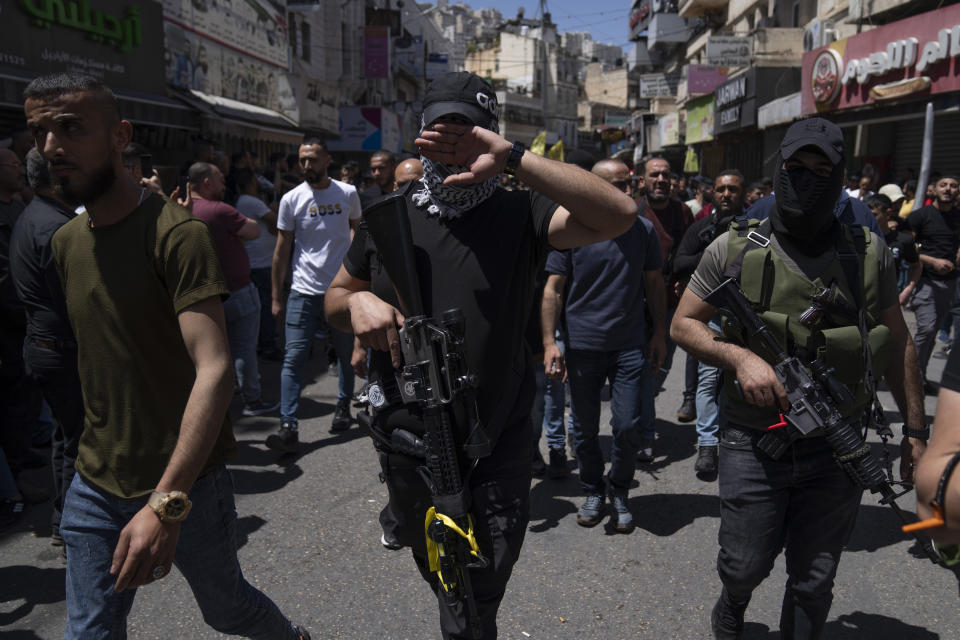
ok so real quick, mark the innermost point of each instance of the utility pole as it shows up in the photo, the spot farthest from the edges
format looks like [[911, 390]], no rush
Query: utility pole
[[544, 102]]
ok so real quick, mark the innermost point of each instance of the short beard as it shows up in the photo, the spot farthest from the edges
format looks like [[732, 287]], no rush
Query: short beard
[[320, 177], [101, 180], [944, 201]]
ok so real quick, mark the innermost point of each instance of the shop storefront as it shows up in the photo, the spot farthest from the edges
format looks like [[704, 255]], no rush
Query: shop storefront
[[737, 103], [117, 41], [876, 85]]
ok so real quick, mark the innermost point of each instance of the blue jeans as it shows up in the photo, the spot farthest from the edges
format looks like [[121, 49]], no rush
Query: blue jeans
[[548, 408], [206, 556], [805, 501], [268, 326], [708, 414], [631, 402], [242, 313], [304, 318]]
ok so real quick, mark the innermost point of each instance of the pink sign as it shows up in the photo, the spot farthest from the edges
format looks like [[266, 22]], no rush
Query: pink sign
[[912, 57], [702, 79], [376, 52]]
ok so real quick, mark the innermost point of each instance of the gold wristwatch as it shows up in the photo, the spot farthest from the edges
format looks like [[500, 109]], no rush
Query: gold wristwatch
[[170, 506]]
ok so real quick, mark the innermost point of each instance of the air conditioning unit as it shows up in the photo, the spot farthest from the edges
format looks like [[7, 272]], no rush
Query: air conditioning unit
[[819, 34]]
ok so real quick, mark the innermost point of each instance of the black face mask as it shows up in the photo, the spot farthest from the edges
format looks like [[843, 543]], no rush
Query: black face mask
[[805, 203]]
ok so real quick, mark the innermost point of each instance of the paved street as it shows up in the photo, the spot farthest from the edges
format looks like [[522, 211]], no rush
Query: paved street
[[310, 539]]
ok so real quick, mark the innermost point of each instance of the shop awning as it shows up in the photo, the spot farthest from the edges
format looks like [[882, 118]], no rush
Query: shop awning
[[254, 122], [780, 111], [136, 106]]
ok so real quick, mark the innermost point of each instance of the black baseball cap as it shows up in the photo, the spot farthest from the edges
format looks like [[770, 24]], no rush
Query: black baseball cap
[[814, 132], [463, 94]]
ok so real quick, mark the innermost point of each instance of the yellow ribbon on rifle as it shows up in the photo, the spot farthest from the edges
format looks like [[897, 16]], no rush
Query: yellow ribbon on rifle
[[434, 550]]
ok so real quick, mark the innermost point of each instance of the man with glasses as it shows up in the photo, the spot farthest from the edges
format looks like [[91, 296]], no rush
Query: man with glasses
[[610, 282]]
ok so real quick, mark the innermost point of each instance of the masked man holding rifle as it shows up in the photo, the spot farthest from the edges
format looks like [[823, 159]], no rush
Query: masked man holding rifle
[[477, 248], [827, 295]]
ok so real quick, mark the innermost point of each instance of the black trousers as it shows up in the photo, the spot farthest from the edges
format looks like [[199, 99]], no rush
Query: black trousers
[[55, 373], [500, 507]]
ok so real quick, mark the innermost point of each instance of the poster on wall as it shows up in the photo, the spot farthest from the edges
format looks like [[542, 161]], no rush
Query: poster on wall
[[195, 62], [367, 129], [700, 120], [252, 27]]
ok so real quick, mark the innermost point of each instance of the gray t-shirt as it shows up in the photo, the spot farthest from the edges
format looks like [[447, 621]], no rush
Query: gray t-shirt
[[709, 273]]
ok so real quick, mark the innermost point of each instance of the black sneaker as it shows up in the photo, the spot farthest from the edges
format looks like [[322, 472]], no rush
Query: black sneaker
[[726, 619], [645, 452], [538, 467], [259, 407], [706, 464], [302, 634], [342, 418], [688, 408], [558, 463], [389, 541], [286, 439], [591, 512], [10, 512]]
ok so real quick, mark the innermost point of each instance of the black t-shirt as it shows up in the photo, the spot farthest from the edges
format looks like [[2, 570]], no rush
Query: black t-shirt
[[31, 261], [937, 234], [902, 247], [485, 264], [951, 372]]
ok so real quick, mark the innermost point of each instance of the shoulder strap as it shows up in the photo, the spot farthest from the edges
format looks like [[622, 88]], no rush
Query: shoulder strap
[[758, 236]]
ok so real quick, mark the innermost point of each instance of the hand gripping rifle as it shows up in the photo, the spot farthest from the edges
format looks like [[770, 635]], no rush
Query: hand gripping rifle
[[814, 394], [435, 377]]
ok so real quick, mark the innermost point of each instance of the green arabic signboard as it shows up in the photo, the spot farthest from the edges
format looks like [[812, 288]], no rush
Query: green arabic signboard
[[118, 41]]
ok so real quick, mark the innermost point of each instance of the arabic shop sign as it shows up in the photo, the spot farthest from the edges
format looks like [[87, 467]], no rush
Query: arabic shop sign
[[117, 41], [100, 26], [909, 57], [658, 85]]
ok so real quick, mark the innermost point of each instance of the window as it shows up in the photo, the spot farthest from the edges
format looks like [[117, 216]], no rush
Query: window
[[305, 40], [292, 21]]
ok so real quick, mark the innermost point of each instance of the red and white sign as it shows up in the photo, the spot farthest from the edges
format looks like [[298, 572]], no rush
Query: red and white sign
[[916, 56]]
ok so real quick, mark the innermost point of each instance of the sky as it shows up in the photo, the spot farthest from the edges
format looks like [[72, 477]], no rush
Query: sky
[[606, 20]]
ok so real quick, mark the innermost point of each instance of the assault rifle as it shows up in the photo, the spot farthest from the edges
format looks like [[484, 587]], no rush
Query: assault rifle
[[814, 394], [435, 377]]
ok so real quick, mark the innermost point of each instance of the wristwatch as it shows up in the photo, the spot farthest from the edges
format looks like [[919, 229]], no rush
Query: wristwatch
[[919, 434], [513, 160], [170, 506]]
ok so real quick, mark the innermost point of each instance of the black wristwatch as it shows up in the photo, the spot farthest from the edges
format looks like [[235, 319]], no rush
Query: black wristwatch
[[919, 434], [513, 160]]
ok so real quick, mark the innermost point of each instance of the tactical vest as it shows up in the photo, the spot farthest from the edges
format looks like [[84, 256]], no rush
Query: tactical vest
[[780, 294]]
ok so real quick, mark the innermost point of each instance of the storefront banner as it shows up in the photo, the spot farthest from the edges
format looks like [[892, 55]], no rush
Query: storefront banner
[[702, 79], [117, 41], [729, 51], [669, 128], [196, 62], [658, 85], [367, 129], [700, 120], [911, 57], [376, 52], [252, 27], [780, 111]]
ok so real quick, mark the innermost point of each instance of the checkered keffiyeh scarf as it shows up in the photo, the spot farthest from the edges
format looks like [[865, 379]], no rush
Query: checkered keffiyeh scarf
[[448, 201]]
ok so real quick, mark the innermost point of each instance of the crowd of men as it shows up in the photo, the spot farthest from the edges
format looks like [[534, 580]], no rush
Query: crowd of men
[[120, 302]]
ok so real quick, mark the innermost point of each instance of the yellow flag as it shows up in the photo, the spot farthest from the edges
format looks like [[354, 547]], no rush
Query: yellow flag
[[556, 151], [539, 144]]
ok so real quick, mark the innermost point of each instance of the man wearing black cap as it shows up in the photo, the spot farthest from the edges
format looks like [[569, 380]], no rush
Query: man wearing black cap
[[478, 248], [801, 499]]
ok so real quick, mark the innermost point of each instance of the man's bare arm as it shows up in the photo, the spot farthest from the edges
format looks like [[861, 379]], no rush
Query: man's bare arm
[[351, 307], [944, 444], [591, 209], [550, 308], [758, 382], [146, 542], [657, 302], [906, 385], [249, 231], [278, 269]]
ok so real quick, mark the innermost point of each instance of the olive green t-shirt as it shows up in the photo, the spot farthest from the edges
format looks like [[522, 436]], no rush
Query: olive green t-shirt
[[125, 284]]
